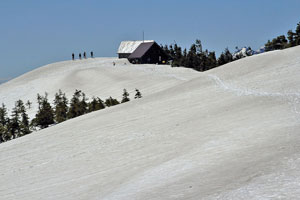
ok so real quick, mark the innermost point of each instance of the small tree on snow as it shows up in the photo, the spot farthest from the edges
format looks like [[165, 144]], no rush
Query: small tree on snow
[[78, 105], [125, 96], [138, 94], [61, 107], [111, 102], [96, 104], [45, 114]]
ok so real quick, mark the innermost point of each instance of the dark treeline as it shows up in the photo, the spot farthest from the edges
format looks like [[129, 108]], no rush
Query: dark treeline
[[202, 60], [282, 42], [195, 58], [19, 124]]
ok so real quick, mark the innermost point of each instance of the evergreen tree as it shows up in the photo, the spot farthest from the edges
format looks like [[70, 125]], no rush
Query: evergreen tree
[[177, 56], [24, 124], [78, 105], [212, 61], [291, 38], [269, 46], [96, 104], [60, 107], [3, 133], [184, 57], [228, 56], [225, 57], [125, 96], [172, 52], [167, 51], [111, 102], [138, 94], [297, 34], [100, 104], [15, 129], [277, 43], [45, 114], [281, 42], [84, 104], [3, 124], [93, 105], [3, 115], [192, 60]]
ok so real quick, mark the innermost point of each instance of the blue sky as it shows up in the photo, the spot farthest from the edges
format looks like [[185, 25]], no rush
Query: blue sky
[[37, 32]]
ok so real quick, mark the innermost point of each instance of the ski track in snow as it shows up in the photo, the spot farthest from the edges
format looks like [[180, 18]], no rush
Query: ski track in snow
[[292, 98]]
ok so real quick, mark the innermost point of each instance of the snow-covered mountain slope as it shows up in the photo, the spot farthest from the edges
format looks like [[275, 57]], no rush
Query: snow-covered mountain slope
[[229, 133]]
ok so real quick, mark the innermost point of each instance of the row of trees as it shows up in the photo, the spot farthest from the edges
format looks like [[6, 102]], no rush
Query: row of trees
[[19, 124], [196, 58], [202, 60], [281, 42]]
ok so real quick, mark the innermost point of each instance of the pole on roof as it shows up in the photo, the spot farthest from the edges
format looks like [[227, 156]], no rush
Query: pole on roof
[[143, 37]]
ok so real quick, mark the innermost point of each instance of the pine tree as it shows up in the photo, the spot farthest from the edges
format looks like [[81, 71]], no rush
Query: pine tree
[[60, 107], [228, 56], [93, 105], [184, 57], [291, 37], [172, 52], [269, 46], [101, 104], [96, 104], [297, 34], [3, 124], [24, 124], [192, 60], [125, 96], [277, 43], [212, 61], [138, 94], [45, 114], [83, 104], [177, 56], [225, 57], [167, 51], [78, 105], [15, 128], [221, 59], [3, 115], [111, 102], [3, 133], [281, 42]]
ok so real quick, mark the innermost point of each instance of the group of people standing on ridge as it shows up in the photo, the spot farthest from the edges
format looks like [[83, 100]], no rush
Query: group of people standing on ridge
[[84, 55]]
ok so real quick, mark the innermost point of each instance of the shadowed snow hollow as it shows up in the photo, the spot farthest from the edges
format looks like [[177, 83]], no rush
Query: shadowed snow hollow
[[229, 133]]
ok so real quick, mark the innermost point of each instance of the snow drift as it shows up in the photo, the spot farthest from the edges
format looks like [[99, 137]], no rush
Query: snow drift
[[228, 133]]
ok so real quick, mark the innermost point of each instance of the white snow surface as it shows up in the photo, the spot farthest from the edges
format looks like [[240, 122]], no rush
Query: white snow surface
[[228, 133], [131, 46]]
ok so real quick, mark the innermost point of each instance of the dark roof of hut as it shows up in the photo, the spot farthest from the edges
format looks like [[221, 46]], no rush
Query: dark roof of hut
[[141, 50]]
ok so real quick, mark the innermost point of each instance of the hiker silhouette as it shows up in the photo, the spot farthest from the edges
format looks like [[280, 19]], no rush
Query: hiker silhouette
[[80, 56]]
